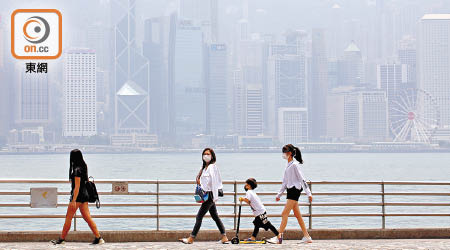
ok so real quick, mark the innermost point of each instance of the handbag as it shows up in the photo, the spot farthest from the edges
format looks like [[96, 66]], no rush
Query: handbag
[[92, 192], [220, 192], [200, 194]]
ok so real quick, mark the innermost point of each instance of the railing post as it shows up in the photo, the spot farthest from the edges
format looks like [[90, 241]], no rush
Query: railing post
[[310, 208], [157, 205], [75, 221], [383, 225], [235, 204]]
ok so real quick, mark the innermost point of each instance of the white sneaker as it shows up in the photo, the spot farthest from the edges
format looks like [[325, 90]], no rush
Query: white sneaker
[[275, 240], [307, 239]]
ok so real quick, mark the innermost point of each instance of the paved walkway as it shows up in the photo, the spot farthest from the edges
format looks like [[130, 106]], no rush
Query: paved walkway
[[318, 244]]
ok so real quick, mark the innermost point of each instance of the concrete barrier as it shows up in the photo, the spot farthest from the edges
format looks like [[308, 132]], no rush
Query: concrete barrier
[[213, 235]]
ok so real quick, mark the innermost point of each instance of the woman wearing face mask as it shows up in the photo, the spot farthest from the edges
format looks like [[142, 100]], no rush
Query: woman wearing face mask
[[294, 182], [210, 181]]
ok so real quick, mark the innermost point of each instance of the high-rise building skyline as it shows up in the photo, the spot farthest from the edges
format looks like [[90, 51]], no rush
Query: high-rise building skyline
[[196, 72]]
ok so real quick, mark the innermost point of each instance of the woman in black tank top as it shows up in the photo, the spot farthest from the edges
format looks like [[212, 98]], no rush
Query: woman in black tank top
[[78, 176]]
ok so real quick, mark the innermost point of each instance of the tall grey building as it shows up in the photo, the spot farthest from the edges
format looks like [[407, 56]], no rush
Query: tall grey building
[[318, 86], [155, 49], [186, 85], [286, 78], [351, 66], [33, 99], [131, 70], [217, 122], [238, 103], [434, 62]]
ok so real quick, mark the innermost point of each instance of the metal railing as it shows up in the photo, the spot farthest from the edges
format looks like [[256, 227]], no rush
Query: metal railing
[[235, 194]]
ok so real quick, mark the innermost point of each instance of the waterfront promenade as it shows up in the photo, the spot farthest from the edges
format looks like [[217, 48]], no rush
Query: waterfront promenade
[[290, 244]]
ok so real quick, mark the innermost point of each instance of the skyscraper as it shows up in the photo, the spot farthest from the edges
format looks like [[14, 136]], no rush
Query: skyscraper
[[155, 49], [33, 99], [238, 103], [319, 85], [188, 89], [131, 68], [286, 82], [434, 62], [351, 66], [79, 93], [217, 122]]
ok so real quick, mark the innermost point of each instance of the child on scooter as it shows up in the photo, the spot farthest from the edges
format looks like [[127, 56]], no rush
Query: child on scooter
[[258, 209]]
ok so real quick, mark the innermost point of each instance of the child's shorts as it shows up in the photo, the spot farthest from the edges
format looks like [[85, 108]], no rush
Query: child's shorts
[[261, 221]]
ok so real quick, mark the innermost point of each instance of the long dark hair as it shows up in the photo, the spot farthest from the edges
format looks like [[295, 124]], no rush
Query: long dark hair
[[76, 159], [213, 157], [294, 151]]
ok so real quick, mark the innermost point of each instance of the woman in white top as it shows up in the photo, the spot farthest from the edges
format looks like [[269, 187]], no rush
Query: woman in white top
[[294, 183], [210, 181]]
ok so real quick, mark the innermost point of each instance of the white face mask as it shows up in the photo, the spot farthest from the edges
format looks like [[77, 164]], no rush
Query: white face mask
[[207, 158], [285, 156]]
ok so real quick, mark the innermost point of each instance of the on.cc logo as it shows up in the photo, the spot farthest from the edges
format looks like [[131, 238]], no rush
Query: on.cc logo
[[36, 34]]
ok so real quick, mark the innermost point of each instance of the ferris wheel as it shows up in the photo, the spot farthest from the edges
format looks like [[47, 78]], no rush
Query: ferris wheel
[[414, 116]]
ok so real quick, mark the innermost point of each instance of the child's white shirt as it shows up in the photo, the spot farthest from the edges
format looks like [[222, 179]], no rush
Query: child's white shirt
[[255, 203]]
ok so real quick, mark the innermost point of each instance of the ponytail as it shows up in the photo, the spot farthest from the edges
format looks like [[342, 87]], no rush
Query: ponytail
[[298, 155], [295, 152]]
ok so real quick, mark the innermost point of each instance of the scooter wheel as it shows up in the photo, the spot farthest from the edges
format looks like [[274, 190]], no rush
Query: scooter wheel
[[235, 240]]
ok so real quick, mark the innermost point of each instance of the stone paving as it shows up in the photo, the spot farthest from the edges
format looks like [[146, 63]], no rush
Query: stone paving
[[291, 244]]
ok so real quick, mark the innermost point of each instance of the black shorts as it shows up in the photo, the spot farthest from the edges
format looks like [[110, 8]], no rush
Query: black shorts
[[293, 193], [261, 221]]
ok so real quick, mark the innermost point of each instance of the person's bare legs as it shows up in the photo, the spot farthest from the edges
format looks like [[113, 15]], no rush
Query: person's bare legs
[[285, 214], [69, 216], [84, 209], [298, 215]]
